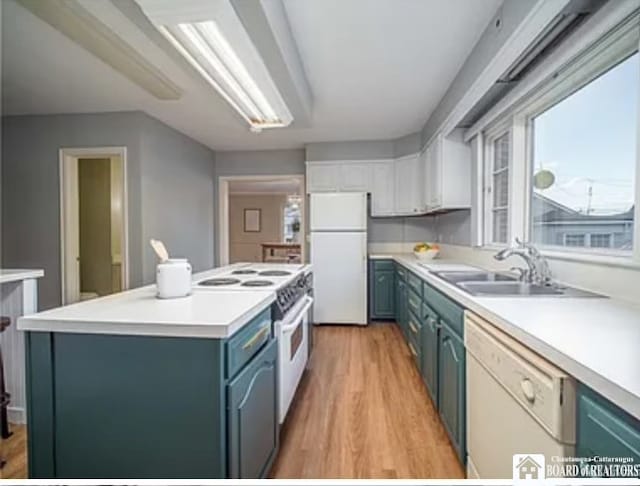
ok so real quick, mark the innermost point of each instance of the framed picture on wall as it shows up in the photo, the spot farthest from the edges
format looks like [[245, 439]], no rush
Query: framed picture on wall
[[252, 221]]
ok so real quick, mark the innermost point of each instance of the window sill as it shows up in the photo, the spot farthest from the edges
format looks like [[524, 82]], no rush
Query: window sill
[[622, 261]]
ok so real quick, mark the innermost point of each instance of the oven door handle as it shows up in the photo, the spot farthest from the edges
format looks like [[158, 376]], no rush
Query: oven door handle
[[305, 308]]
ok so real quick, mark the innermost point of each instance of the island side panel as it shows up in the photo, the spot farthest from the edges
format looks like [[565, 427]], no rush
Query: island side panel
[[39, 376], [138, 407]]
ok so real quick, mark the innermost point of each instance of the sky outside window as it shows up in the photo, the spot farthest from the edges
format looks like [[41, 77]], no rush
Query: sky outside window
[[589, 140]]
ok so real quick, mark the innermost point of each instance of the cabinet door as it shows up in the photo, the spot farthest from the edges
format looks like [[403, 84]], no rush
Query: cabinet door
[[383, 294], [401, 304], [434, 174], [408, 176], [382, 189], [355, 177], [451, 387], [398, 286], [323, 177], [252, 417], [405, 185], [604, 429], [429, 344]]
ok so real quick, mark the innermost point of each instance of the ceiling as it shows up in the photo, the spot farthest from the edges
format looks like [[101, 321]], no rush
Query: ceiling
[[376, 68], [289, 186]]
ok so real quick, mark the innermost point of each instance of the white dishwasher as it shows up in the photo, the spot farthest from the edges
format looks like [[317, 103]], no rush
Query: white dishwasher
[[517, 403]]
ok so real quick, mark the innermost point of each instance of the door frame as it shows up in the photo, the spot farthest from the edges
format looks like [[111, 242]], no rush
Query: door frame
[[223, 211], [69, 217]]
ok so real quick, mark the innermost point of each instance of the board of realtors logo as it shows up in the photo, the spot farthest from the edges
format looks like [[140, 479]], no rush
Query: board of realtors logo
[[528, 466]]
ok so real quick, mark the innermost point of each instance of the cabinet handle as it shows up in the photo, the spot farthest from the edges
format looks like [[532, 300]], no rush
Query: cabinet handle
[[413, 351], [446, 340], [413, 328], [255, 338], [381, 278]]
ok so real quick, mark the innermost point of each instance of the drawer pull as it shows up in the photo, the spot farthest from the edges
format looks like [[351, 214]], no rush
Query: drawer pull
[[255, 338], [413, 328], [413, 351]]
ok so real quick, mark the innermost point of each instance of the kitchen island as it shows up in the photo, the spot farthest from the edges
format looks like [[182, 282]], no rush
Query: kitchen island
[[131, 386]]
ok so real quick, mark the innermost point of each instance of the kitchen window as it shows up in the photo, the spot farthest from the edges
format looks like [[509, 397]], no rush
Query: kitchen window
[[560, 162], [497, 189], [584, 163]]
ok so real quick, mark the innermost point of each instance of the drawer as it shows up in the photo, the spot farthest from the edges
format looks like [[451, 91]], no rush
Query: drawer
[[415, 283], [382, 264], [401, 272], [447, 309], [414, 302], [248, 341]]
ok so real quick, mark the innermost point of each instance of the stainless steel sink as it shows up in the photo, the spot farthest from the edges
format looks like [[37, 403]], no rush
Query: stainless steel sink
[[490, 284], [455, 277], [507, 288]]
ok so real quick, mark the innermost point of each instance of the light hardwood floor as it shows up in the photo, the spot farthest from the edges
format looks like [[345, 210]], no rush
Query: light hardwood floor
[[14, 451], [362, 411]]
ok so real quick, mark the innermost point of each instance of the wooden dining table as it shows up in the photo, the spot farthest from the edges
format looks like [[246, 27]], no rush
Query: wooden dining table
[[293, 250]]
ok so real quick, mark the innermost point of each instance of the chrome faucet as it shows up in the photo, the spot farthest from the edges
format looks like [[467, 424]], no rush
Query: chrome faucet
[[537, 272]]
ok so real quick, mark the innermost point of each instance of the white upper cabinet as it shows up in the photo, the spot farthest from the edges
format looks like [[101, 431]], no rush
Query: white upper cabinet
[[342, 176], [383, 188], [409, 197], [323, 177], [355, 177], [448, 173], [436, 179]]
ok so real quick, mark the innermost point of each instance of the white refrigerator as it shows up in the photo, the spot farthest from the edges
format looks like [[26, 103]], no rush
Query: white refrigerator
[[339, 257]]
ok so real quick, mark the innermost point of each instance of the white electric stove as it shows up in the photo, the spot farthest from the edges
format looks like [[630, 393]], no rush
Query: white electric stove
[[293, 285]]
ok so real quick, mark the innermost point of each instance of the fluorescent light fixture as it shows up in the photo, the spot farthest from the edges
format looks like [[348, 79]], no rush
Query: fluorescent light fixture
[[204, 46]]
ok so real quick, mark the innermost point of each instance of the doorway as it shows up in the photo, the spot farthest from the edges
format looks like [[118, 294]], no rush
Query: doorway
[[262, 219], [93, 200]]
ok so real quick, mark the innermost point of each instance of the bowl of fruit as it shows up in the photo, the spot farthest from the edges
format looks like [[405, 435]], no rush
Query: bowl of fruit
[[426, 251]]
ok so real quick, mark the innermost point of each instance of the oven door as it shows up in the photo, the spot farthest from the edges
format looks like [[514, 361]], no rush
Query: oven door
[[293, 346]]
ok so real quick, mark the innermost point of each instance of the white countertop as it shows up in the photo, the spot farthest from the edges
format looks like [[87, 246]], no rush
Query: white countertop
[[595, 340], [15, 274], [204, 314]]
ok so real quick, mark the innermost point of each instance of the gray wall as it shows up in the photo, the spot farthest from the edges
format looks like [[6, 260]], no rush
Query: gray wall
[[453, 228], [30, 189], [366, 150], [177, 181], [260, 162]]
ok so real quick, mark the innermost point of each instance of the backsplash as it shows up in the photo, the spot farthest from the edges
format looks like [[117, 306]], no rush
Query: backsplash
[[453, 228]]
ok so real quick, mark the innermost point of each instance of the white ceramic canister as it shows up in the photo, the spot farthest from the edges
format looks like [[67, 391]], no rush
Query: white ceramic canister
[[173, 278]]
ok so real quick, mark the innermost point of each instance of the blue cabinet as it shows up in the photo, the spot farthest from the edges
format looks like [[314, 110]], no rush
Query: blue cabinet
[[165, 407], [401, 310], [252, 417], [451, 387], [381, 289], [603, 429], [429, 357], [433, 325]]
